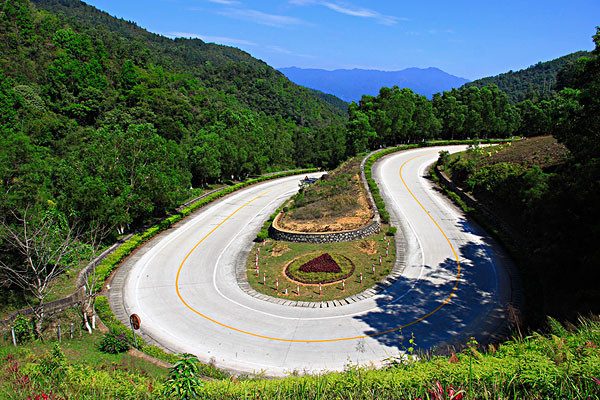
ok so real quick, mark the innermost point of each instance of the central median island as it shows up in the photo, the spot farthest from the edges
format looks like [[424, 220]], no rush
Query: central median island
[[278, 273], [326, 244]]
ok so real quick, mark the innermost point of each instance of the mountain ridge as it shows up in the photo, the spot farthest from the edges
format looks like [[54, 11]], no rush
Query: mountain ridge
[[425, 81], [536, 80]]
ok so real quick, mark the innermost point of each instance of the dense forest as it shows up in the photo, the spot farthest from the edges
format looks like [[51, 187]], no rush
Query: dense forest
[[553, 203], [539, 80], [108, 121]]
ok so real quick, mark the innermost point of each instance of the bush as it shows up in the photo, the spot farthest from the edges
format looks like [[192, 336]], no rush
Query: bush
[[114, 343], [391, 231], [262, 236], [24, 329]]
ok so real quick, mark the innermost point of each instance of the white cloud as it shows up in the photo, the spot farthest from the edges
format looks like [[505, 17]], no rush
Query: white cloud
[[278, 21], [225, 2], [278, 49], [212, 39], [348, 9]]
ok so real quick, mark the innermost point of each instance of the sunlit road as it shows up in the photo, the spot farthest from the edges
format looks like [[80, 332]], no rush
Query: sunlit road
[[183, 283]]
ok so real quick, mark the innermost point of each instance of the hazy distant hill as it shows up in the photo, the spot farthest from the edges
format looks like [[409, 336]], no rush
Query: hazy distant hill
[[534, 81], [350, 85]]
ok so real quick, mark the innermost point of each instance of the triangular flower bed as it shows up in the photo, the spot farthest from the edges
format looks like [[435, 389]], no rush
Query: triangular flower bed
[[322, 269], [323, 263]]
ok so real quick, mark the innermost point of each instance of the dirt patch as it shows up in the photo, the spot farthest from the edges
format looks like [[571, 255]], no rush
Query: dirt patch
[[367, 247], [326, 220], [279, 249], [543, 151], [338, 203]]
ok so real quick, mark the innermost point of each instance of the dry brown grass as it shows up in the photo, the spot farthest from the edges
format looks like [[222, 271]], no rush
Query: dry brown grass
[[337, 204]]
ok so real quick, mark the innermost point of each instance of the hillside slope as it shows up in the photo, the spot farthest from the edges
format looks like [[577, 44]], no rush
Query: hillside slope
[[539, 79], [253, 83], [110, 122]]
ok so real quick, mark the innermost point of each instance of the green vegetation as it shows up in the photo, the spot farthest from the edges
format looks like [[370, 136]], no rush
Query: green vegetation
[[274, 257], [107, 126], [562, 363], [537, 81], [523, 182], [113, 124]]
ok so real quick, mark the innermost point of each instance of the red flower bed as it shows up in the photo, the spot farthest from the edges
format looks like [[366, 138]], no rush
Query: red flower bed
[[323, 263]]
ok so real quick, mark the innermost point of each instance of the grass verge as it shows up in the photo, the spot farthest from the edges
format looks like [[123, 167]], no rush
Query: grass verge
[[563, 364], [275, 256]]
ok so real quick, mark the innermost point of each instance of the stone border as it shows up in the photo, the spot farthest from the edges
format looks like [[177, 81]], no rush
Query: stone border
[[333, 237], [392, 277]]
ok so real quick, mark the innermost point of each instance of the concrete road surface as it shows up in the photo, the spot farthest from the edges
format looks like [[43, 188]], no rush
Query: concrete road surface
[[455, 284]]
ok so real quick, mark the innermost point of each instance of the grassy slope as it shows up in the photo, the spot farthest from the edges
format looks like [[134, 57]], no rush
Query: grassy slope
[[542, 151], [559, 365], [85, 372], [336, 203]]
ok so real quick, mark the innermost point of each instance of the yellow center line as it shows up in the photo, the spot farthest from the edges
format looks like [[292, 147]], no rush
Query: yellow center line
[[319, 340]]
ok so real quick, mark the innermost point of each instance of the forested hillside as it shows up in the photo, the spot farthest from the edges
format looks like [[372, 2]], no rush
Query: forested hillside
[[539, 80], [550, 198], [107, 121], [252, 82]]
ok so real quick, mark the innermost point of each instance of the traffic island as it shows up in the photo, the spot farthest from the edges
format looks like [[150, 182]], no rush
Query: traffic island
[[273, 268]]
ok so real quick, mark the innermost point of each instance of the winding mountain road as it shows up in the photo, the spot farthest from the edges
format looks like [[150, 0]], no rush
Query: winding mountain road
[[455, 284]]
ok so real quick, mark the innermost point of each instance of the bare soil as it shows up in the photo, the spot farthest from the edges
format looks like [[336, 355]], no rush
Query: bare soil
[[338, 204], [279, 249], [543, 151], [367, 246]]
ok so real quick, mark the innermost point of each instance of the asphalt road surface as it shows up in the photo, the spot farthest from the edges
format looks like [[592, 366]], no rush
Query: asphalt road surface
[[455, 284]]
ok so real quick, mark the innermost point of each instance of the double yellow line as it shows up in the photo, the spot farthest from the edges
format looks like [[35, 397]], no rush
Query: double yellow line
[[320, 340]]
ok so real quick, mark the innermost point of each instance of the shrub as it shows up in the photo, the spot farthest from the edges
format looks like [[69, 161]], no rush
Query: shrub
[[184, 379], [391, 231], [24, 329], [262, 236], [114, 343]]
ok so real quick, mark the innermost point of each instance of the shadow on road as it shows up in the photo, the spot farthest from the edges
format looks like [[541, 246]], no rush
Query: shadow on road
[[437, 310]]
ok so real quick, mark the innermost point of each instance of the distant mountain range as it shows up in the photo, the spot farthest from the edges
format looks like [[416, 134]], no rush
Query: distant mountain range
[[351, 84]]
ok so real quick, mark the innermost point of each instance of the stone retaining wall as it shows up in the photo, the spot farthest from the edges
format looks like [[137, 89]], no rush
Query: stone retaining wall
[[345, 236], [50, 308]]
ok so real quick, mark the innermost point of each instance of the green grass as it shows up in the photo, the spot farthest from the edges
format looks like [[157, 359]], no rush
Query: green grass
[[275, 256], [560, 363], [82, 370], [557, 365]]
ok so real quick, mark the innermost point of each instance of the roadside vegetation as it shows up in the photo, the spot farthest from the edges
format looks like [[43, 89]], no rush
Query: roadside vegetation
[[561, 363], [103, 142], [523, 183]]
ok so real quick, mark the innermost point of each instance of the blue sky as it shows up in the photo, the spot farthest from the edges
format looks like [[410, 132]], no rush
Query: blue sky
[[471, 39]]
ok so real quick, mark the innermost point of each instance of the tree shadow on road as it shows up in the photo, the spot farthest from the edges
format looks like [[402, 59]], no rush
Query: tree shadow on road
[[445, 307]]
